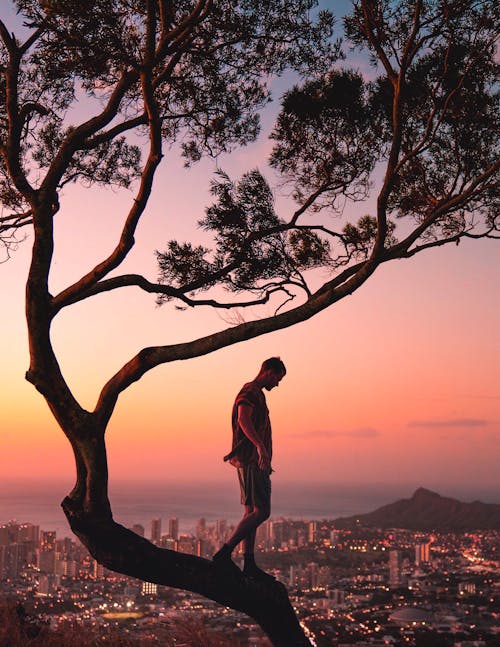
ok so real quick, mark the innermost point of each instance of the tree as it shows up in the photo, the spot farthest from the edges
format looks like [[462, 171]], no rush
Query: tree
[[155, 72]]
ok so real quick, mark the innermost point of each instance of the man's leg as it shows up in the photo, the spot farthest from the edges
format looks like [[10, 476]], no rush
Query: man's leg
[[250, 568], [243, 532], [256, 496], [249, 542]]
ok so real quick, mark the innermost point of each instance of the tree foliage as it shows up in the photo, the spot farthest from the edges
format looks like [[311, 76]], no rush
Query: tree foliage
[[420, 132]]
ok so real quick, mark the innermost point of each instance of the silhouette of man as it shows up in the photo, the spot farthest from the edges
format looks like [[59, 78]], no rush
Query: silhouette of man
[[251, 454]]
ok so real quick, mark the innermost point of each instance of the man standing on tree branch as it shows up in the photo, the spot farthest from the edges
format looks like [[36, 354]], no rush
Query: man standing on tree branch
[[251, 454]]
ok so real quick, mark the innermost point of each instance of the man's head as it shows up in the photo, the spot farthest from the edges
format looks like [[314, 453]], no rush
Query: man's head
[[271, 372]]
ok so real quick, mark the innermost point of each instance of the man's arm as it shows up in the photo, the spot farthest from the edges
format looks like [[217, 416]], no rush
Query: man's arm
[[246, 424]]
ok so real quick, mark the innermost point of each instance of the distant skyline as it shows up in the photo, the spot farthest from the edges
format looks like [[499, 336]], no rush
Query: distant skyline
[[397, 384], [141, 502]]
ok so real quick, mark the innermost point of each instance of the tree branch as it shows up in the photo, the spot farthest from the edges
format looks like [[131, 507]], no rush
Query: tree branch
[[148, 358], [178, 34], [108, 135], [126, 241], [373, 39], [11, 150], [121, 550], [136, 280], [75, 139]]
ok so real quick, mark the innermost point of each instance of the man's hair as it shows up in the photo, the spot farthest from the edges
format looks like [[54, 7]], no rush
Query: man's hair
[[273, 364]]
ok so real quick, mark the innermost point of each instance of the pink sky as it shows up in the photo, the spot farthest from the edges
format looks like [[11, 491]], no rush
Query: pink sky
[[398, 383]]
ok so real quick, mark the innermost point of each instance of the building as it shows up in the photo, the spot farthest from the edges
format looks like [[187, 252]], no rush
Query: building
[[156, 531], [220, 529], [312, 534], [48, 540], [173, 528], [395, 578], [422, 553], [201, 528], [149, 588], [46, 561]]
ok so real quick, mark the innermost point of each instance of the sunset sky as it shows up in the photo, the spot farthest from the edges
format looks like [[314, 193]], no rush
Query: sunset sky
[[398, 383]]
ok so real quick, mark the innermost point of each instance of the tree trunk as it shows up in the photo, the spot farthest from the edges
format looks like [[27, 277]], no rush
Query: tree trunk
[[121, 550]]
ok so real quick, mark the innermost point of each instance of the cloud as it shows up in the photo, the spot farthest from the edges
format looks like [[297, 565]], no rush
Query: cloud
[[363, 432], [467, 423]]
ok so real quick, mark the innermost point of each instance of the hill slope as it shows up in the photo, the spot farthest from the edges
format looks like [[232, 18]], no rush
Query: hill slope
[[427, 510]]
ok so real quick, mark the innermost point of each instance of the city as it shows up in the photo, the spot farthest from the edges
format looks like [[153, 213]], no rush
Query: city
[[360, 586]]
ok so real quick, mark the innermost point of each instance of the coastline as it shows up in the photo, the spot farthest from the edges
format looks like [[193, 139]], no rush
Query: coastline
[[139, 502]]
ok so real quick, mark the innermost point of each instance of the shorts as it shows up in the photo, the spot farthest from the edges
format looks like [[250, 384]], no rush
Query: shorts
[[255, 486]]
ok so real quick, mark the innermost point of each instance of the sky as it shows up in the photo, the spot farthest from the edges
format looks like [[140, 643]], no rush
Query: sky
[[397, 383]]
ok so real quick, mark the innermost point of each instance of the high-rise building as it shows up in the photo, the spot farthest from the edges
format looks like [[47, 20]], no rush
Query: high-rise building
[[48, 540], [203, 548], [173, 528], [4, 536], [47, 561], [149, 588], [45, 585], [395, 579], [277, 532], [200, 528], [11, 561], [186, 544], [156, 531], [422, 553], [29, 532], [168, 542], [220, 529], [312, 537], [338, 597], [97, 570]]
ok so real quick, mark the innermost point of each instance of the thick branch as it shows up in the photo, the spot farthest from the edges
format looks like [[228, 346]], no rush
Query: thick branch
[[93, 285], [108, 135], [121, 550], [137, 280], [11, 149], [148, 358], [373, 38], [76, 137], [175, 37], [126, 241]]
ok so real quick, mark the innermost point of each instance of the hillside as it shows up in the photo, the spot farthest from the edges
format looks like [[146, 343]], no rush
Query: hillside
[[427, 510]]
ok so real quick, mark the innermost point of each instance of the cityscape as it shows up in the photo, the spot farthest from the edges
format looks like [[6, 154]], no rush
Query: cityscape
[[360, 586]]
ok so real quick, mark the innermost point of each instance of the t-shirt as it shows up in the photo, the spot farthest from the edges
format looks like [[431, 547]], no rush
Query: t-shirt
[[243, 451]]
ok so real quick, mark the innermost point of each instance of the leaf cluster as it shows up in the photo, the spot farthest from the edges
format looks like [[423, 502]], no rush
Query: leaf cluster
[[253, 248], [334, 129], [209, 75], [327, 137]]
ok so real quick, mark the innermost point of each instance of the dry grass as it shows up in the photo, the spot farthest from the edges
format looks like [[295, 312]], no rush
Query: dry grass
[[20, 629]]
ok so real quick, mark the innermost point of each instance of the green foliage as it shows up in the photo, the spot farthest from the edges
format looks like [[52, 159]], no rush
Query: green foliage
[[252, 245], [449, 104], [326, 137], [429, 117], [359, 238]]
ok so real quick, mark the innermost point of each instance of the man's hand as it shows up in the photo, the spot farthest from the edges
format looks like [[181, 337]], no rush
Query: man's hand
[[264, 460], [246, 425]]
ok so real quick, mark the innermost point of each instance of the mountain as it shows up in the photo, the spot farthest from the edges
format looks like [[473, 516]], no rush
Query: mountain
[[427, 510]]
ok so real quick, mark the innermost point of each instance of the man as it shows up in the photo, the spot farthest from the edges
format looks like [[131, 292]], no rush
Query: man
[[251, 454]]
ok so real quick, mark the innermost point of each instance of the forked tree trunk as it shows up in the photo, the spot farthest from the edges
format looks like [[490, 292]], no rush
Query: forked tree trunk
[[87, 507], [119, 549]]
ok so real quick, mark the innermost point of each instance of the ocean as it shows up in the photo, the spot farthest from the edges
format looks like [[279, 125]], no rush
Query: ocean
[[139, 502]]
